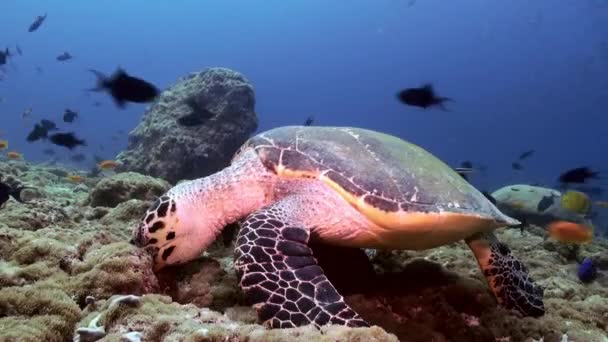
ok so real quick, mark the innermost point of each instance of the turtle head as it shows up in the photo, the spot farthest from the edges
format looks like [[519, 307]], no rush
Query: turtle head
[[173, 230]]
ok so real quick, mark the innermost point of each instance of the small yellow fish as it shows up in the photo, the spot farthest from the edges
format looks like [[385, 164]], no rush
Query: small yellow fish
[[14, 155], [107, 164], [3, 144], [76, 179]]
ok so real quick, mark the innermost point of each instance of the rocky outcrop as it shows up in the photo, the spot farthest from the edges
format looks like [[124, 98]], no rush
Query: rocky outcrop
[[121, 187], [159, 146]]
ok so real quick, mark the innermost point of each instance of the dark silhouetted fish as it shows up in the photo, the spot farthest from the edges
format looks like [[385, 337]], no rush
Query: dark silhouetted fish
[[37, 133], [48, 125], [467, 164], [423, 97], [69, 115], [526, 154], [309, 121], [466, 167], [19, 50], [64, 57], [4, 55], [6, 191], [516, 166], [125, 88], [578, 175], [68, 140], [37, 22], [41, 130]]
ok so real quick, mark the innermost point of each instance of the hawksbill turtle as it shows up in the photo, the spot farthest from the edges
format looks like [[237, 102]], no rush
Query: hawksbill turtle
[[341, 185]]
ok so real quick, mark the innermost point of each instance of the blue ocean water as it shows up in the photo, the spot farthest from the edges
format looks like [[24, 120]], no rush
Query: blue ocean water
[[523, 75]]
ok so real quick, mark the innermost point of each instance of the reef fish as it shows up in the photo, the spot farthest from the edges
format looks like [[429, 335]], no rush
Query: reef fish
[[107, 164], [12, 155], [578, 175], [69, 115], [587, 271], [64, 57], [4, 55], [570, 232], [516, 166], [6, 191], [37, 22], [423, 97], [125, 88], [309, 121], [68, 140], [526, 154]]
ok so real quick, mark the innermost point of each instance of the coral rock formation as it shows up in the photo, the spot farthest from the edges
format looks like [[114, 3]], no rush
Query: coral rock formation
[[161, 147]]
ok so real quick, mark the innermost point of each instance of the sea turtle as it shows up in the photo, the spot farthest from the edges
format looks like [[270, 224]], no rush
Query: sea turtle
[[344, 186]]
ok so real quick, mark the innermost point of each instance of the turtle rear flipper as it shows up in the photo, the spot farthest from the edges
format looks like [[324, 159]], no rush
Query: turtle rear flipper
[[281, 277], [507, 276]]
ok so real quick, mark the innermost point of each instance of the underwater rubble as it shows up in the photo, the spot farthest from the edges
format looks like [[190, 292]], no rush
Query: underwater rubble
[[159, 146], [68, 273]]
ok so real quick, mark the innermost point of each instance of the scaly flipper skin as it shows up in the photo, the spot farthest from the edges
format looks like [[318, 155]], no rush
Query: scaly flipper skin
[[507, 276], [280, 276]]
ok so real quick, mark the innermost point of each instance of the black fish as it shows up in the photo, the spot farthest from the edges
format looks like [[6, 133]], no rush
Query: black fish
[[48, 125], [37, 22], [465, 168], [78, 157], [64, 57], [466, 164], [489, 197], [97, 104], [18, 50], [545, 203], [6, 191], [516, 166], [526, 154], [68, 140], [578, 175], [309, 121], [39, 132], [4, 55], [422, 97], [125, 88], [69, 115]]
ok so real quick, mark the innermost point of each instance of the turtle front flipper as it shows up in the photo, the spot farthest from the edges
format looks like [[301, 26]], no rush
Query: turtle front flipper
[[506, 275], [281, 277]]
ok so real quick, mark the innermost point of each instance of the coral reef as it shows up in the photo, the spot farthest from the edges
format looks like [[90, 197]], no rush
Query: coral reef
[[68, 273], [111, 191], [161, 147]]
